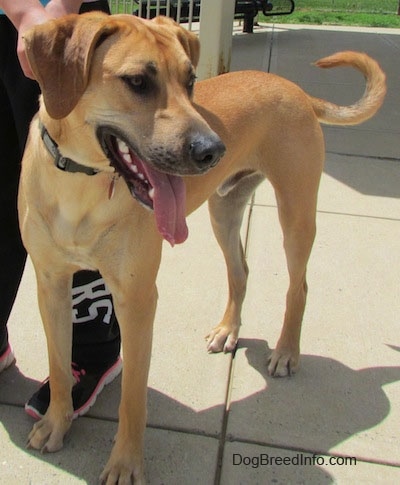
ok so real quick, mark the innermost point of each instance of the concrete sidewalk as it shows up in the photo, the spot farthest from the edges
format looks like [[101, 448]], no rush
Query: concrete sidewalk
[[214, 419]]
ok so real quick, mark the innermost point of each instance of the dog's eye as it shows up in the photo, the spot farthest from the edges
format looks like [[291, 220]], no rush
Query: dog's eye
[[138, 83], [191, 83]]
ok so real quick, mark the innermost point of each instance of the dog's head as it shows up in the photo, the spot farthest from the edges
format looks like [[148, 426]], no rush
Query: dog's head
[[123, 86]]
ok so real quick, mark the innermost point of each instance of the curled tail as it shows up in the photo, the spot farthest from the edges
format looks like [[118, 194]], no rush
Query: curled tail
[[371, 100]]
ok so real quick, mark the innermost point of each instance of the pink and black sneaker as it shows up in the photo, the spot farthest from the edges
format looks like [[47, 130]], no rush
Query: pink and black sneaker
[[84, 392], [6, 358]]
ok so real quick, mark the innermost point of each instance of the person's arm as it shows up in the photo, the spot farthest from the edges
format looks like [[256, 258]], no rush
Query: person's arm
[[24, 14]]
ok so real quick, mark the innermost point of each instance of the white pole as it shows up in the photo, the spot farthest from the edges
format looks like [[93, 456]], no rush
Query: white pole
[[216, 26]]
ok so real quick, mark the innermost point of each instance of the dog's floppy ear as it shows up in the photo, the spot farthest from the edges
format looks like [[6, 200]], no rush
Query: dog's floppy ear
[[189, 40], [59, 53], [191, 44]]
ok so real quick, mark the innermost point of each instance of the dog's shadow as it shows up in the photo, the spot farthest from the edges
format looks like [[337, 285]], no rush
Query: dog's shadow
[[324, 405], [326, 396]]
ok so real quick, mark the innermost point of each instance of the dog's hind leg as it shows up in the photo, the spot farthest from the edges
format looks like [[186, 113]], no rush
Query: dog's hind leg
[[297, 212], [226, 208]]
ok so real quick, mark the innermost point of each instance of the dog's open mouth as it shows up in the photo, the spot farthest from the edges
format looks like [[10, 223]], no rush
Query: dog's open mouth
[[158, 191]]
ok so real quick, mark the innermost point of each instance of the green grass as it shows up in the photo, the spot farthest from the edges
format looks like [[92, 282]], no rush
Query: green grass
[[337, 18], [368, 13], [369, 6], [120, 6]]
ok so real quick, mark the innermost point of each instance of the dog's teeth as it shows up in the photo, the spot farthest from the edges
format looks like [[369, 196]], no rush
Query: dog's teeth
[[151, 193], [123, 147], [133, 167], [127, 158], [141, 176]]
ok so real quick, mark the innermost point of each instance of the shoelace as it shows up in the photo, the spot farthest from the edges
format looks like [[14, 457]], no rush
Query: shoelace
[[77, 372]]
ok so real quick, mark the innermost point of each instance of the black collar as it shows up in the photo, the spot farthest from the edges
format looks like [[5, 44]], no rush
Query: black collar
[[63, 163]]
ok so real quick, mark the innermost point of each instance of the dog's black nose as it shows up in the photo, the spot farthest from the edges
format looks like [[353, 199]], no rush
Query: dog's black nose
[[205, 151]]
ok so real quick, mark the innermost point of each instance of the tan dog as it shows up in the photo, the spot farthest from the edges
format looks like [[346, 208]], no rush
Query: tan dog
[[117, 95]]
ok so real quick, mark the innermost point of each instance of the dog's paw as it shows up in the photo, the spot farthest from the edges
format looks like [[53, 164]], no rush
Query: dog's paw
[[282, 363], [118, 472], [48, 435], [221, 339]]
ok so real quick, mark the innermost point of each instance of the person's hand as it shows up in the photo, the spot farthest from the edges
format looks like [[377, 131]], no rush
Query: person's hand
[[29, 19], [35, 16], [58, 8]]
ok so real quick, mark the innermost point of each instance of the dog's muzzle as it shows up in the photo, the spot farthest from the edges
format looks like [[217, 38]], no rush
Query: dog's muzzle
[[158, 184]]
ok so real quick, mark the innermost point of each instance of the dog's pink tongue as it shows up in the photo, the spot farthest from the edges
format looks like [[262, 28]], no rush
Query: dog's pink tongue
[[169, 203]]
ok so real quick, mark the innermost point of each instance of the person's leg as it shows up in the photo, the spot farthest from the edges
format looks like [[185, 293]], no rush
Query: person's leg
[[12, 252], [96, 334], [96, 338]]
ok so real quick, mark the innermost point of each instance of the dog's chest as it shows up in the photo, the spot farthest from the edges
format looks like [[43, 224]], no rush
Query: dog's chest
[[74, 231], [75, 241]]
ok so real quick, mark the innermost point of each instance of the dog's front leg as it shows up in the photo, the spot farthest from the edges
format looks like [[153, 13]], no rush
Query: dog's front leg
[[54, 295], [135, 314]]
